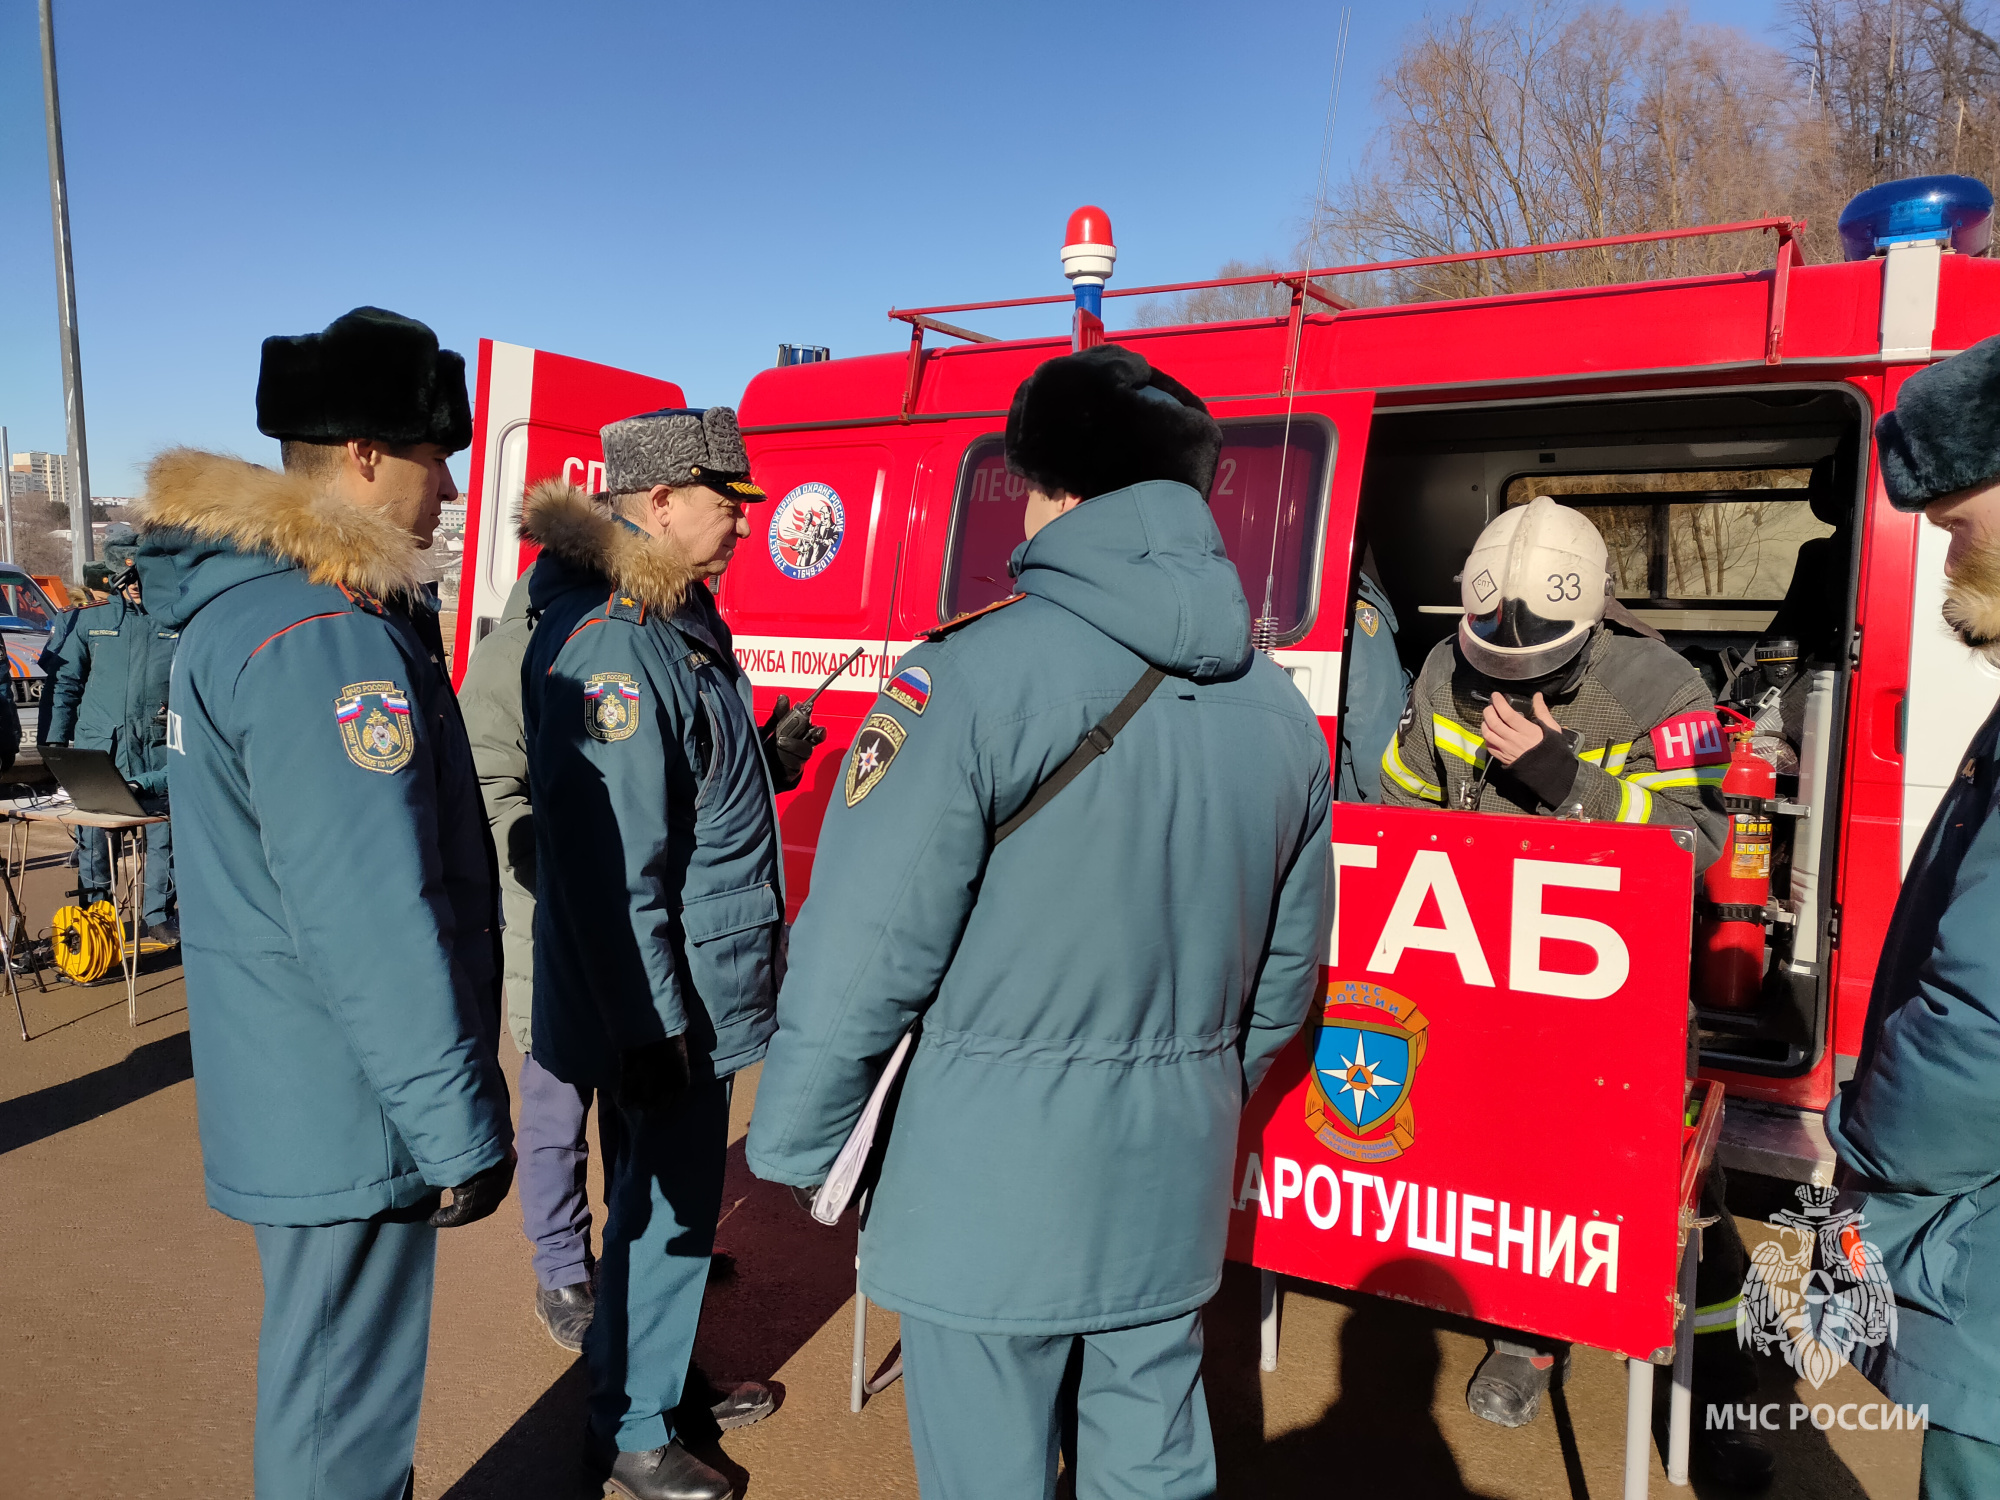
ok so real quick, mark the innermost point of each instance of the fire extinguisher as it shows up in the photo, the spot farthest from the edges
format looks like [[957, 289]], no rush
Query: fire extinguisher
[[1729, 939]]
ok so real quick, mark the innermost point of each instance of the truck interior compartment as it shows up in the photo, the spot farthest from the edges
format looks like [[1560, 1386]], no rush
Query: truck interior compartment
[[1729, 518]]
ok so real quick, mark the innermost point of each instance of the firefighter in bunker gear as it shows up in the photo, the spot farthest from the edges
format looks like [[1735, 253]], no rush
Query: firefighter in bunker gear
[[1537, 706]]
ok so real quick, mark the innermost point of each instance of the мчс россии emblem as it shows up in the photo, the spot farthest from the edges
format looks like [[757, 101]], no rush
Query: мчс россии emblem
[[374, 720]]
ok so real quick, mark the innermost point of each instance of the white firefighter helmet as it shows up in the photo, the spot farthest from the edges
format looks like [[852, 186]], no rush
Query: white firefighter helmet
[[1533, 589]]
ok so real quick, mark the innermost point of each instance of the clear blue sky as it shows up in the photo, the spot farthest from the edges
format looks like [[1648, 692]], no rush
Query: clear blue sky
[[671, 188]]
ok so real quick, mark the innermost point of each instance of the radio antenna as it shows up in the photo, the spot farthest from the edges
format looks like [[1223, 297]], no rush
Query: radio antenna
[[1264, 633]]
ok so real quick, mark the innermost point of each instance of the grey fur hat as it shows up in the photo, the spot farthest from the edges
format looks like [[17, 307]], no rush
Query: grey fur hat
[[678, 446], [1944, 434]]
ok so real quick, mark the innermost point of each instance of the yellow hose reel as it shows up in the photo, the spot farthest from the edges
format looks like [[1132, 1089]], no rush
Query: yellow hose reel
[[88, 941]]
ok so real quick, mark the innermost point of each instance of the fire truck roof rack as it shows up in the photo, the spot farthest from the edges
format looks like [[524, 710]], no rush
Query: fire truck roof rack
[[1789, 254]]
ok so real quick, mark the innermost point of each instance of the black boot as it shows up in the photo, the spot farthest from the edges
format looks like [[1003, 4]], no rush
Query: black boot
[[1735, 1460], [669, 1473], [1507, 1388], [707, 1410], [566, 1312], [734, 1403]]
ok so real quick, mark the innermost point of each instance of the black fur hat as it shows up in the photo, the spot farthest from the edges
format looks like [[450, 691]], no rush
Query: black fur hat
[[1098, 421], [369, 374], [1944, 434]]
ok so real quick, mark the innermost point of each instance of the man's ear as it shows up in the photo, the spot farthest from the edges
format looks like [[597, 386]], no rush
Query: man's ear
[[661, 498], [364, 453]]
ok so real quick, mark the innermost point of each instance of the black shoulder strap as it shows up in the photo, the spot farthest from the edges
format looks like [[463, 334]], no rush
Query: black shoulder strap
[[1094, 743]]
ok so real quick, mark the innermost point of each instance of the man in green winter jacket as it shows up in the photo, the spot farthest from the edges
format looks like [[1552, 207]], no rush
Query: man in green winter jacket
[[1098, 995], [1917, 1128], [658, 901], [338, 909], [110, 693]]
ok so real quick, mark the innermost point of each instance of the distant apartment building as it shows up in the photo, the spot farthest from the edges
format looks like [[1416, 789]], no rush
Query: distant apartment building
[[50, 474]]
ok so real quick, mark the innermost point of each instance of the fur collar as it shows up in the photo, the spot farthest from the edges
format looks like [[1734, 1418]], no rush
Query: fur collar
[[562, 519], [1972, 600], [262, 510]]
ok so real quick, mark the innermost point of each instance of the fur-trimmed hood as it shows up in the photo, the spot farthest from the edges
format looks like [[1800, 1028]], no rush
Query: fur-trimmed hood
[[568, 524], [214, 498], [1972, 600]]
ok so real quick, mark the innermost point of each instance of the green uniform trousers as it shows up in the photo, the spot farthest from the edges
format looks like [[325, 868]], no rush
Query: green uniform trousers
[[340, 1358], [987, 1412], [663, 1192], [1957, 1467]]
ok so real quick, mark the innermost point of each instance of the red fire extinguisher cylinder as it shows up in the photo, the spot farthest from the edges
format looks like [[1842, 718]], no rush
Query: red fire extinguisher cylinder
[[1729, 939]]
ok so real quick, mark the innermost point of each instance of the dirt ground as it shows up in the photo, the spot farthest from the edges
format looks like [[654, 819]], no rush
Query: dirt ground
[[128, 1330]]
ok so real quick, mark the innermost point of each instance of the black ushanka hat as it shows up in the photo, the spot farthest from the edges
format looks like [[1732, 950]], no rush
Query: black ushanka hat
[[1944, 434], [1104, 419], [369, 374]]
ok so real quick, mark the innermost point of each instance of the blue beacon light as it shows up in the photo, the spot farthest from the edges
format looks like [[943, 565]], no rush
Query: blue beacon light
[[1957, 211]]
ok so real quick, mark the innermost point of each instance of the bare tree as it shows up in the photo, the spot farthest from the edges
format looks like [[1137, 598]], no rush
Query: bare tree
[[1548, 123], [1220, 304], [1903, 87]]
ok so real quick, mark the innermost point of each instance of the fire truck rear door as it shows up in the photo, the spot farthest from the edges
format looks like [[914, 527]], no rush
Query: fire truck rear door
[[536, 416]]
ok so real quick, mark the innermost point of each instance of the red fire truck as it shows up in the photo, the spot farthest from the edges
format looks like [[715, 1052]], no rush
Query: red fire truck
[[1717, 428]]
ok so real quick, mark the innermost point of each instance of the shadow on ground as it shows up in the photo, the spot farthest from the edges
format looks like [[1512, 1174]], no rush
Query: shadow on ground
[[792, 1275], [52, 1110], [1378, 1437]]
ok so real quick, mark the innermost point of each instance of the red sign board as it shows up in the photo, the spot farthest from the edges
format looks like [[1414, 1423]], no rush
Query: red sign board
[[1483, 1114]]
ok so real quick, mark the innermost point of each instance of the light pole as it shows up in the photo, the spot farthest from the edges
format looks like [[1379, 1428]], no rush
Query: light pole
[[6, 495], [72, 361]]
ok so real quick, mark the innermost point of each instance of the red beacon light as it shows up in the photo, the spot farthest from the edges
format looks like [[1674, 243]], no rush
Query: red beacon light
[[1088, 256]]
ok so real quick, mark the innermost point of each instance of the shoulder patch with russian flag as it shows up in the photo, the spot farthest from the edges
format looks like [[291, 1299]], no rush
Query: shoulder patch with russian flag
[[610, 706], [1690, 739], [910, 687], [374, 722]]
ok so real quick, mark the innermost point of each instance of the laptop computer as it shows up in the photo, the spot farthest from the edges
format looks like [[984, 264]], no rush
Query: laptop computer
[[92, 781]]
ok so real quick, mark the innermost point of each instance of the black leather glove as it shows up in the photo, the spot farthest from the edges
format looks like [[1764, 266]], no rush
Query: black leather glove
[[474, 1200], [789, 739], [654, 1076], [1548, 769]]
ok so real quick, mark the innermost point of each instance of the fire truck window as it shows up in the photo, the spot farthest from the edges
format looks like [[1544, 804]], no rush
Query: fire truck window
[[1720, 543], [1268, 494], [986, 528]]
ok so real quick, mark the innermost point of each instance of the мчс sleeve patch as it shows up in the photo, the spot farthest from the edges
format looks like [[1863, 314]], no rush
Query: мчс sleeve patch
[[874, 748], [1690, 739], [375, 730], [610, 706]]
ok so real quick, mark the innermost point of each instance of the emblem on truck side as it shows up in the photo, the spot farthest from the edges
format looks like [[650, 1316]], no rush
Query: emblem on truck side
[[1366, 1050], [806, 528]]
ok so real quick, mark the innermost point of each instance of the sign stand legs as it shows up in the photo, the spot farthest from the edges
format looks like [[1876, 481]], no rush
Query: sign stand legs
[[1681, 1415], [1638, 1427], [858, 1377], [1267, 1289], [860, 1387]]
